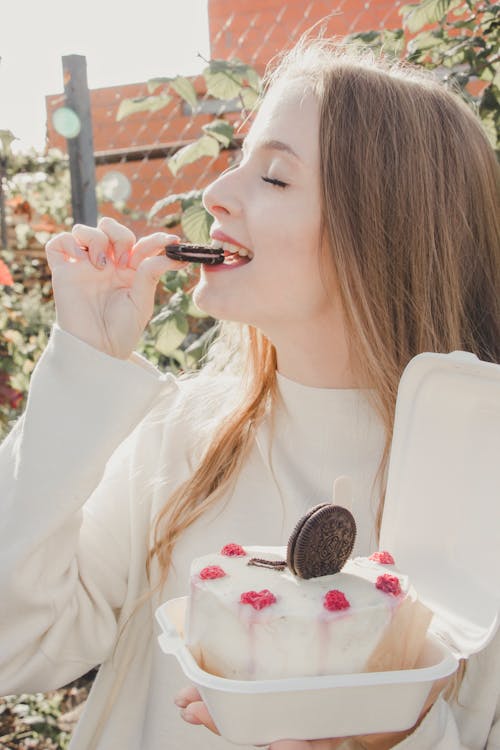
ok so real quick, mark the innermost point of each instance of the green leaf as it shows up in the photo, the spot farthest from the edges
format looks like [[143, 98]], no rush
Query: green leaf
[[252, 77], [424, 41], [221, 130], [185, 199], [174, 280], [20, 381], [225, 79], [6, 138], [195, 351], [365, 37], [142, 104], [186, 90], [426, 12], [171, 334], [180, 357], [490, 128], [193, 310], [393, 42], [249, 97], [488, 74], [179, 302], [154, 83], [204, 146], [181, 85], [196, 223], [221, 86]]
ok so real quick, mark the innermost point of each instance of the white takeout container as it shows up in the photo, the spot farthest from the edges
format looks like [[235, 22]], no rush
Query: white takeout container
[[442, 524]]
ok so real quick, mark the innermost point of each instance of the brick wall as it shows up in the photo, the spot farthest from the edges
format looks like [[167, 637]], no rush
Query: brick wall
[[261, 28], [250, 30]]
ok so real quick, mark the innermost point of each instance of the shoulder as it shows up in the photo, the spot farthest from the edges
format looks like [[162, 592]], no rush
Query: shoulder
[[191, 407]]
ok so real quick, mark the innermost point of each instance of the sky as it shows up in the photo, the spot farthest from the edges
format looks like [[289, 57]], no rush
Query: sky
[[124, 42]]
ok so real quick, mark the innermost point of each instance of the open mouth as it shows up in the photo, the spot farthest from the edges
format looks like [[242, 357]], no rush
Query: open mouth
[[233, 254]]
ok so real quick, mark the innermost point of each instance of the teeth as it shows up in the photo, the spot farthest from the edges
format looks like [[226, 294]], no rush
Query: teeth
[[231, 249]]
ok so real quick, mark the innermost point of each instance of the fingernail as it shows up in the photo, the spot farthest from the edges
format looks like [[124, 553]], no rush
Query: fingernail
[[180, 702], [102, 260], [188, 716]]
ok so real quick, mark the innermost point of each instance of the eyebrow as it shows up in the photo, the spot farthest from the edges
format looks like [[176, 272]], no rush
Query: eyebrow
[[273, 145]]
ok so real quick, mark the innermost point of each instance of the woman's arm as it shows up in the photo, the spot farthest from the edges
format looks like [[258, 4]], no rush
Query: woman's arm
[[63, 571]]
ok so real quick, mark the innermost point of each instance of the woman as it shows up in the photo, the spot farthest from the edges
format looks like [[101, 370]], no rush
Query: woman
[[365, 207]]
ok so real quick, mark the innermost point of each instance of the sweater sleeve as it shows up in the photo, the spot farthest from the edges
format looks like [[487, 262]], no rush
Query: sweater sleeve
[[63, 569]]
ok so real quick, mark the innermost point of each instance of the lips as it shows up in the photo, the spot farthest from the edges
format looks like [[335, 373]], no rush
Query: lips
[[234, 252]]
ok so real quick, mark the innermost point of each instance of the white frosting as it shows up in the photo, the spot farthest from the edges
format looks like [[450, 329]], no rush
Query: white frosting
[[296, 635]]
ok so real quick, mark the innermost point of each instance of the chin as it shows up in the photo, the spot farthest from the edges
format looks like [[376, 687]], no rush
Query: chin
[[209, 301], [218, 305]]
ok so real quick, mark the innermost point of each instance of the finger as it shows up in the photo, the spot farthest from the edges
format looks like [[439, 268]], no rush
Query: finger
[[121, 237], [197, 713], [95, 241], [153, 244], [187, 695], [61, 248], [146, 280]]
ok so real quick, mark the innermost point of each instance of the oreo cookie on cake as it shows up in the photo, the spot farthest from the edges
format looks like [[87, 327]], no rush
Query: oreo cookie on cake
[[322, 541]]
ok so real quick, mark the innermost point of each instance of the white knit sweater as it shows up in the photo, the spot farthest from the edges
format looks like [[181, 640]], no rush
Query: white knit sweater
[[83, 474]]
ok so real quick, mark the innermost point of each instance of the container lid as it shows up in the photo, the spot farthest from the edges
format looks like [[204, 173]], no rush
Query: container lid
[[441, 517]]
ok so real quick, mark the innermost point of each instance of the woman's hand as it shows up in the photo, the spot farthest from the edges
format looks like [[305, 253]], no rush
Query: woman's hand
[[104, 283]]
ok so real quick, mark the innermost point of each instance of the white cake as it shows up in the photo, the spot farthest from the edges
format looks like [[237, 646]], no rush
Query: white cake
[[248, 622]]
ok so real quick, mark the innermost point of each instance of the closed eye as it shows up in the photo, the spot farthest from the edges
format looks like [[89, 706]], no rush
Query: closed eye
[[274, 181]]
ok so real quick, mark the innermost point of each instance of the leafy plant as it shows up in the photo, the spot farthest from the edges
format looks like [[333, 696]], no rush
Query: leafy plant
[[179, 333], [461, 38], [42, 721], [229, 81], [26, 316], [33, 721]]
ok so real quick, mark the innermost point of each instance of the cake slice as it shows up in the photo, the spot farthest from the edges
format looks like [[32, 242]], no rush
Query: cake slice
[[250, 617]]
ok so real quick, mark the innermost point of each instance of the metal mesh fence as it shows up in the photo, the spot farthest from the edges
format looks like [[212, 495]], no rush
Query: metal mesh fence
[[132, 152]]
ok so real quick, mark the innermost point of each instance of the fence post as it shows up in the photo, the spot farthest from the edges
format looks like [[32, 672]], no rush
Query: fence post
[[81, 147]]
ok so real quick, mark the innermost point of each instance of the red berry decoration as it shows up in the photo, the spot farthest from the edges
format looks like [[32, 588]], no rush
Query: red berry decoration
[[258, 599], [233, 550], [335, 600], [382, 557], [389, 584], [211, 572]]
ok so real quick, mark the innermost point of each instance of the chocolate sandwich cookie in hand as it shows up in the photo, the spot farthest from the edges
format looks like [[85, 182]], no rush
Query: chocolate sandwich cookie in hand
[[188, 253]]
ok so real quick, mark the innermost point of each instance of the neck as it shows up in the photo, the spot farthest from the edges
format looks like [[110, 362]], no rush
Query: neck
[[316, 358]]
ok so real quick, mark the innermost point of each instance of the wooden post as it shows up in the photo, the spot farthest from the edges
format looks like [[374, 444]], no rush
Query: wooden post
[[81, 147]]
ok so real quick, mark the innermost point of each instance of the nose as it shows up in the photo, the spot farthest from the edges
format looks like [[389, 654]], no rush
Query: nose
[[220, 198]]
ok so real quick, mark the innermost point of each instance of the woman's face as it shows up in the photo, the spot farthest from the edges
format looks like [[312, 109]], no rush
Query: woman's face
[[270, 207]]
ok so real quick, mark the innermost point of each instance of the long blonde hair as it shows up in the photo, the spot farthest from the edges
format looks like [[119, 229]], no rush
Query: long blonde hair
[[410, 215]]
